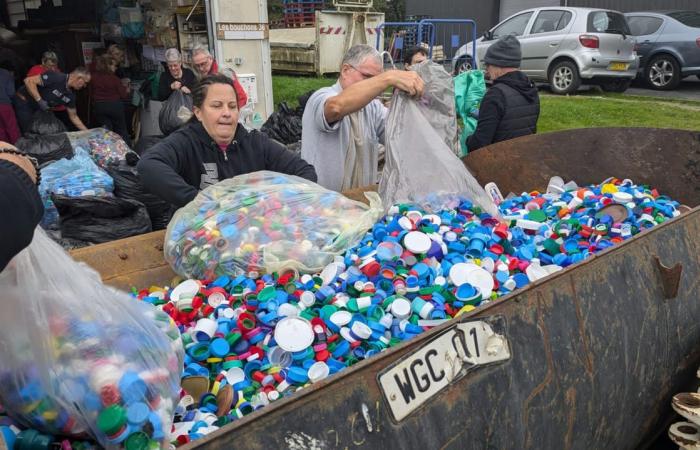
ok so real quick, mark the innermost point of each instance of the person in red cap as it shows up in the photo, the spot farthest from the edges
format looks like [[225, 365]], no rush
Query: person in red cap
[[205, 64]]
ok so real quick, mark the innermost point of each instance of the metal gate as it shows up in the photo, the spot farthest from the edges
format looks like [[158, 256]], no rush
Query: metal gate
[[399, 37], [446, 36]]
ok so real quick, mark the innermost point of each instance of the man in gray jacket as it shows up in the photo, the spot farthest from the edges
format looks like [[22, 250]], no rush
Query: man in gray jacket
[[343, 124]]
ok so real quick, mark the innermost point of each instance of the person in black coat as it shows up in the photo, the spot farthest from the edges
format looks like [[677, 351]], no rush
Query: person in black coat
[[213, 147], [511, 106], [176, 77], [20, 197]]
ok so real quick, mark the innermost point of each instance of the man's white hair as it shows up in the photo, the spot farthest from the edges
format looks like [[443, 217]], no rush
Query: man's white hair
[[172, 55], [358, 53], [200, 49]]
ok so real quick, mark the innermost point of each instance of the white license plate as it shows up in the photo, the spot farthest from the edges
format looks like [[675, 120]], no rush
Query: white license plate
[[419, 376]]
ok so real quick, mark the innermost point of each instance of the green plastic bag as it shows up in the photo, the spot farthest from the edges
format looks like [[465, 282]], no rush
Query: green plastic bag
[[469, 90]]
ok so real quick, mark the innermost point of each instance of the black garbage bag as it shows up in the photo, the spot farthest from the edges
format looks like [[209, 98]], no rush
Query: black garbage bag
[[303, 98], [145, 143], [176, 111], [45, 122], [100, 219], [283, 125], [127, 186], [46, 148]]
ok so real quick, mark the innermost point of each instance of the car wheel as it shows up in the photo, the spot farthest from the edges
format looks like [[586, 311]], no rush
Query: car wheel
[[463, 64], [616, 85], [662, 73], [564, 78]]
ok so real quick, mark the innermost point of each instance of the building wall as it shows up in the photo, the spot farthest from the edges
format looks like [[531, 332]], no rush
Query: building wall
[[636, 5], [485, 13]]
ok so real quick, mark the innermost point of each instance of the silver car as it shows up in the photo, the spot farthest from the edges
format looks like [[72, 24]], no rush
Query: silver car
[[668, 44], [566, 47]]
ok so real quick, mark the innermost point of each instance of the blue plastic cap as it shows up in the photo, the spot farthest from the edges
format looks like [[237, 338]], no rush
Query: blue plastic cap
[[8, 436], [137, 414], [132, 388], [219, 347]]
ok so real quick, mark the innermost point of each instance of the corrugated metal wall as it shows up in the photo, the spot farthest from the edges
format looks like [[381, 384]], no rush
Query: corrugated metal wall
[[636, 5], [484, 13], [510, 7]]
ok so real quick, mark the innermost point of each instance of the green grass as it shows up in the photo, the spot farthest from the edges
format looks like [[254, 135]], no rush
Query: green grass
[[288, 88], [614, 110], [592, 109]]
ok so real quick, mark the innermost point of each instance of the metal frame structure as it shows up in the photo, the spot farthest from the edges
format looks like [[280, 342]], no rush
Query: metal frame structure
[[450, 21]]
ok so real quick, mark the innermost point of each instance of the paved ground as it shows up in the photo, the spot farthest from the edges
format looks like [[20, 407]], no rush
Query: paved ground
[[689, 89]]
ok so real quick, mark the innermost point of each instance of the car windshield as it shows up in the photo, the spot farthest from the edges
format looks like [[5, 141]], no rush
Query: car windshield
[[687, 18], [607, 22]]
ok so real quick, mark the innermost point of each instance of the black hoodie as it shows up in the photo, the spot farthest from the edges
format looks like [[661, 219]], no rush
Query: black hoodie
[[20, 198], [189, 160], [508, 110]]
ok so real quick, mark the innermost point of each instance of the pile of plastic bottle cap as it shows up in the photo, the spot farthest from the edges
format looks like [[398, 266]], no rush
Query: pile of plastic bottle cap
[[106, 147], [253, 341], [100, 388]]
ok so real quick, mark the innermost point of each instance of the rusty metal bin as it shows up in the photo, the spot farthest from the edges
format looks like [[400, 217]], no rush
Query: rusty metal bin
[[596, 350]]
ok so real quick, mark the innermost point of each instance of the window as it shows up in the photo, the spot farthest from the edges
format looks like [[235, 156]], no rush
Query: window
[[515, 26], [551, 20], [644, 25], [607, 22], [687, 18]]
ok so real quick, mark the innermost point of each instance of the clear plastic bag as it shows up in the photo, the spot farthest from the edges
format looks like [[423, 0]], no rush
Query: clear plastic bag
[[438, 102], [76, 177], [105, 147], [80, 358], [265, 221], [419, 164]]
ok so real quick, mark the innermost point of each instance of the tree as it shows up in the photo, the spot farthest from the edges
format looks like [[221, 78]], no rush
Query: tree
[[394, 10]]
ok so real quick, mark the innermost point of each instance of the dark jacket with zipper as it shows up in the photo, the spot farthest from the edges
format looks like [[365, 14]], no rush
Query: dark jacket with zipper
[[20, 197], [509, 109], [189, 160]]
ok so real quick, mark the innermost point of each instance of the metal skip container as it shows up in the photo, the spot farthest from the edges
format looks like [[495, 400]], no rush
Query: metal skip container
[[589, 357]]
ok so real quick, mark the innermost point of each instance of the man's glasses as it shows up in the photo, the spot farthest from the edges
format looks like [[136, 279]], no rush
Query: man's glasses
[[365, 75]]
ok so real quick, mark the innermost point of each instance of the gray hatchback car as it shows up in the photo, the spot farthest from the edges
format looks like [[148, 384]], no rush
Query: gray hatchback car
[[668, 45], [566, 47]]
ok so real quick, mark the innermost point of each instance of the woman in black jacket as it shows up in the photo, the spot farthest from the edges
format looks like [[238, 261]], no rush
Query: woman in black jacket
[[20, 197], [176, 77], [213, 147]]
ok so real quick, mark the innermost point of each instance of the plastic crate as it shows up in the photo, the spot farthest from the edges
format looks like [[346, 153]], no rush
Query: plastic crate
[[299, 20]]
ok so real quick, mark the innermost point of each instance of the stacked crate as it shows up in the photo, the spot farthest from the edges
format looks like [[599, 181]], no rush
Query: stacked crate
[[301, 13]]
